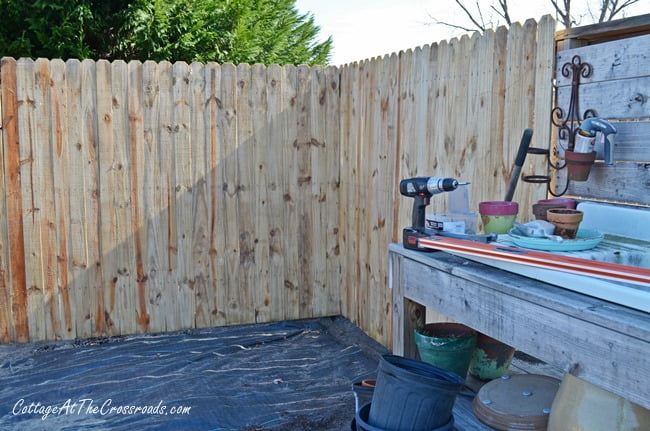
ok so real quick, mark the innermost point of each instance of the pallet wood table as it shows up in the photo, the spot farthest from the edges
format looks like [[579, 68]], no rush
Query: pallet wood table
[[598, 341]]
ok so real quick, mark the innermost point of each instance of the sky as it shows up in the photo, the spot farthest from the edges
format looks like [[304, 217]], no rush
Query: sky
[[368, 28]]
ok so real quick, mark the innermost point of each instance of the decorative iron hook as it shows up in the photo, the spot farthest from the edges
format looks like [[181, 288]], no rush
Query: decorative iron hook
[[568, 125]]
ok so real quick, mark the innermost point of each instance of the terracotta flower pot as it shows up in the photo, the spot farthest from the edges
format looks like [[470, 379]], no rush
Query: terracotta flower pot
[[539, 210], [543, 205], [566, 221], [566, 202], [579, 164]]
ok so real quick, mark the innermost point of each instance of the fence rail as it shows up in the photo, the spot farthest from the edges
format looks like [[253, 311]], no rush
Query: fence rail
[[148, 197]]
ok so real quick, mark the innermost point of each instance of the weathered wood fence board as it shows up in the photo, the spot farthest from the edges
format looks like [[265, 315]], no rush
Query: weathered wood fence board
[[15, 278], [618, 89], [270, 163], [289, 233], [148, 197], [61, 170]]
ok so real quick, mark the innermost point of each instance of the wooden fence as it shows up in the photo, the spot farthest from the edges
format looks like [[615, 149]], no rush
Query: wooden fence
[[156, 197], [147, 197], [453, 109]]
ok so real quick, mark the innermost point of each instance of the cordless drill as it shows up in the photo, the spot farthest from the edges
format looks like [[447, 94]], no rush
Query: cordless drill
[[421, 189]]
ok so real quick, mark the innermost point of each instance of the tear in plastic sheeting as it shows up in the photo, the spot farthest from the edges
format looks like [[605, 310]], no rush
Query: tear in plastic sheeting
[[281, 376]]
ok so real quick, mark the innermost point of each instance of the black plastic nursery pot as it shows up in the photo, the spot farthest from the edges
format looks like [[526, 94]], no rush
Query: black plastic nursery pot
[[363, 425], [412, 395]]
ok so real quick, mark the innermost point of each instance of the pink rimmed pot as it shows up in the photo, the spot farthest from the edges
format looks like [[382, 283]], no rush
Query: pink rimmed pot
[[498, 216]]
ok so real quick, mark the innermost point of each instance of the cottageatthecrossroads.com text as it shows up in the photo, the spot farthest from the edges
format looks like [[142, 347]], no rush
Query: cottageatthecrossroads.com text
[[88, 406]]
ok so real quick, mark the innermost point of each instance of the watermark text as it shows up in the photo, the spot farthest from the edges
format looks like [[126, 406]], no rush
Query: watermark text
[[88, 406]]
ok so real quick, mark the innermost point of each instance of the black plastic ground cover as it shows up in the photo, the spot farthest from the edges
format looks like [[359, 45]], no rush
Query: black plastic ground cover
[[281, 376]]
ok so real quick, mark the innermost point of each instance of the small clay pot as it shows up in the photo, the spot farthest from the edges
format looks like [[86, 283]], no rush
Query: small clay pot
[[566, 221], [543, 205], [566, 202], [579, 164], [539, 210]]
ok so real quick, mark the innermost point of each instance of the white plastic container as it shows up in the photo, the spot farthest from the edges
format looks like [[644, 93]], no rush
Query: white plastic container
[[454, 223]]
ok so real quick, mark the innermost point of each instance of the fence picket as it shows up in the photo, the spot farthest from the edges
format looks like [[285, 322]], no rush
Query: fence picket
[[275, 133], [246, 190], [165, 299], [260, 182], [16, 240], [154, 202], [108, 168], [43, 163], [330, 184], [199, 277], [7, 332], [217, 289], [31, 203], [185, 301], [139, 190], [316, 190], [61, 171], [291, 236], [227, 126], [78, 222]]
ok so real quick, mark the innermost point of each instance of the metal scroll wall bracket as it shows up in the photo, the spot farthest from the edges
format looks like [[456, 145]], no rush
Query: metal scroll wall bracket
[[567, 123]]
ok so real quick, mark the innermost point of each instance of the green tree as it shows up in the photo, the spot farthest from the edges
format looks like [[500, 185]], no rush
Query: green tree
[[238, 31]]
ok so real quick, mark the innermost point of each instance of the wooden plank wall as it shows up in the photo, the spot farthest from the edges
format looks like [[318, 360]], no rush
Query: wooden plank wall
[[618, 89], [452, 109], [157, 197]]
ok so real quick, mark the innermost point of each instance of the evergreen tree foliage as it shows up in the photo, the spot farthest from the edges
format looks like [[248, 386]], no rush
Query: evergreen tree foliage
[[237, 31]]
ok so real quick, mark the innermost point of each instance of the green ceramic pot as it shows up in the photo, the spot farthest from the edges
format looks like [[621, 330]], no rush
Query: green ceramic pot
[[491, 358], [446, 345]]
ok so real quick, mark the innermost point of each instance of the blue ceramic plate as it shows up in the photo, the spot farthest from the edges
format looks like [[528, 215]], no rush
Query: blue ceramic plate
[[585, 239]]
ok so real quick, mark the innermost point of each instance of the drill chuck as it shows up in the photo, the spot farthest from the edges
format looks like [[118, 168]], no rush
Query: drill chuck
[[438, 185]]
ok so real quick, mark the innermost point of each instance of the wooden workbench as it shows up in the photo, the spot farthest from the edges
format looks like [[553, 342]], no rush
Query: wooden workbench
[[598, 341]]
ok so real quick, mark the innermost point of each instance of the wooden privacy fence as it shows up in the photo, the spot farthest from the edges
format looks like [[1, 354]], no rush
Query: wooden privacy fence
[[155, 197], [452, 109]]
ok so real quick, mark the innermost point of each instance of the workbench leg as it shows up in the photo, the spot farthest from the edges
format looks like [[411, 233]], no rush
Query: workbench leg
[[414, 318], [407, 315]]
